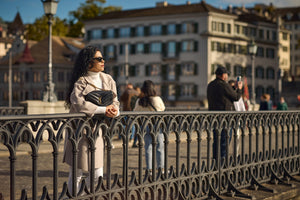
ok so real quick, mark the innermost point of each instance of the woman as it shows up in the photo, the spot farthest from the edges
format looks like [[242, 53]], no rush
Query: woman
[[148, 101], [86, 75]]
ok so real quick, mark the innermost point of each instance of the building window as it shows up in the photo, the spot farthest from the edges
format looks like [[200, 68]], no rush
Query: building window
[[270, 73], [155, 47], [124, 32], [228, 28], [270, 53], [171, 92], [214, 26], [36, 77], [96, 34], [60, 77], [187, 46], [238, 70], [140, 31], [171, 49], [260, 72], [261, 33], [110, 33], [245, 30], [154, 69], [285, 48], [110, 52], [274, 35], [155, 30], [188, 69], [188, 27], [171, 72], [187, 90], [284, 36], [16, 77], [139, 48], [171, 29], [237, 29], [260, 52], [248, 71]]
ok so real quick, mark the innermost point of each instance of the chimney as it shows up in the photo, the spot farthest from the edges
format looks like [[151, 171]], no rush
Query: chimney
[[162, 4], [188, 3], [229, 8]]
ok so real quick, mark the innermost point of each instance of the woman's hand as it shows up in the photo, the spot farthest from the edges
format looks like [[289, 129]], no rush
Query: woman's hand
[[111, 111]]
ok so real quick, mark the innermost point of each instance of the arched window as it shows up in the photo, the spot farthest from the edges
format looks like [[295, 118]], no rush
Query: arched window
[[259, 91], [259, 72], [238, 70], [270, 73]]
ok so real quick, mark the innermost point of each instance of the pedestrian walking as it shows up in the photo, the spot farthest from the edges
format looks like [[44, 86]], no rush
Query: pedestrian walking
[[282, 105], [149, 101], [87, 76]]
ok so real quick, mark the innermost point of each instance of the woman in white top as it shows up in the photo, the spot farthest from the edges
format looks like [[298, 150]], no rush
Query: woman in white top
[[149, 101], [88, 75]]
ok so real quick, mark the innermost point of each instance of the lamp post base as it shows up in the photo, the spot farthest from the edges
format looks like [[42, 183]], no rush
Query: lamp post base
[[49, 94]]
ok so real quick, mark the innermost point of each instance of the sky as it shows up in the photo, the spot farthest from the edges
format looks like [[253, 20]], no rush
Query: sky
[[33, 9]]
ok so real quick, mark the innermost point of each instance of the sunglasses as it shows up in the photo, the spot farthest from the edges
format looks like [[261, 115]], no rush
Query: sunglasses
[[99, 59]]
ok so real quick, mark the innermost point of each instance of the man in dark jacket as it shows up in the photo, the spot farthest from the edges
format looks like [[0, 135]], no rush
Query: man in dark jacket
[[221, 96]]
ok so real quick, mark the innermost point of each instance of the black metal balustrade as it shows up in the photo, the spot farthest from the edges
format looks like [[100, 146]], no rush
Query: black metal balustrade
[[268, 152], [12, 111]]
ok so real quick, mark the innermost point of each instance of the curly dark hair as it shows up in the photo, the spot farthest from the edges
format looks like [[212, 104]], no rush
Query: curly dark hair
[[148, 90], [81, 66]]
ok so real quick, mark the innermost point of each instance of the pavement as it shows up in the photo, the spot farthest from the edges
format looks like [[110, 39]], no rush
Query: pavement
[[24, 171]]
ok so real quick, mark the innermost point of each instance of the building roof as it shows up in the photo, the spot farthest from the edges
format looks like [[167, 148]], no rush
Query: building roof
[[283, 12], [61, 53], [17, 26], [254, 18], [26, 56], [169, 9]]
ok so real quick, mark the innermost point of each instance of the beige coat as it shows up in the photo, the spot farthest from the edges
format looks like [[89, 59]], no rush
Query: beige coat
[[78, 104]]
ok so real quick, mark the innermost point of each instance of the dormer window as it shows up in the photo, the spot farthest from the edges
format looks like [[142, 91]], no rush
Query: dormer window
[[289, 16]]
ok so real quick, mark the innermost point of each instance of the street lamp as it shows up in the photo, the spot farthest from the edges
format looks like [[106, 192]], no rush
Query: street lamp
[[252, 51], [50, 7]]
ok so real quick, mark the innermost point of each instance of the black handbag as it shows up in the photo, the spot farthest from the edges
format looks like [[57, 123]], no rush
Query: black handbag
[[100, 97]]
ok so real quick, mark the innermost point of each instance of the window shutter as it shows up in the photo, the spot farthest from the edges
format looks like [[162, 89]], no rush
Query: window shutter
[[195, 27], [195, 46], [164, 72], [178, 28], [132, 70], [195, 90], [89, 35], [116, 32], [177, 71], [164, 29], [164, 49], [178, 48], [132, 32], [147, 70], [104, 34], [146, 30], [177, 91], [146, 48], [164, 91], [195, 69], [132, 49]]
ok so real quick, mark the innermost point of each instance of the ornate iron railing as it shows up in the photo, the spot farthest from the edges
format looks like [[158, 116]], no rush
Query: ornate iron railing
[[12, 111], [268, 151]]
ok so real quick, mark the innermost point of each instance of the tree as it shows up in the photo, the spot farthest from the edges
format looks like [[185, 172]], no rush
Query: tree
[[40, 28], [88, 10]]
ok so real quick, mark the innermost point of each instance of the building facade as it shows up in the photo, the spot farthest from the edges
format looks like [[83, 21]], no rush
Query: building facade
[[179, 47], [30, 70]]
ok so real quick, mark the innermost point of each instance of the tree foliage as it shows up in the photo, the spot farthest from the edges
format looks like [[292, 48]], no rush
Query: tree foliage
[[72, 28], [88, 10], [40, 28]]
